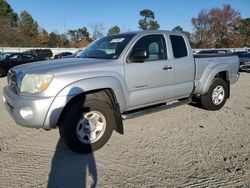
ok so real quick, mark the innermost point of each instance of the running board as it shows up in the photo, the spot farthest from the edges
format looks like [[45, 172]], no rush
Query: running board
[[144, 111]]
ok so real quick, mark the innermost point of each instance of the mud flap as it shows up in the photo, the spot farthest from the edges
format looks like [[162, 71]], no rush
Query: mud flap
[[119, 124], [117, 113]]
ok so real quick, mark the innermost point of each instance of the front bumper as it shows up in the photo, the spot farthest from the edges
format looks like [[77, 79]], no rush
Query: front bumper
[[27, 112]]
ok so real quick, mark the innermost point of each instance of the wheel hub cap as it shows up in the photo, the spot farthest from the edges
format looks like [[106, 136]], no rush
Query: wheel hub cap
[[218, 95], [91, 127]]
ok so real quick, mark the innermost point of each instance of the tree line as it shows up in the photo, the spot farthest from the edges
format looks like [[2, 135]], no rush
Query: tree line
[[215, 28]]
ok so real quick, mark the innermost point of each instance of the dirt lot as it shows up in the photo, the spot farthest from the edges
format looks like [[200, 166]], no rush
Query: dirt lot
[[182, 147]]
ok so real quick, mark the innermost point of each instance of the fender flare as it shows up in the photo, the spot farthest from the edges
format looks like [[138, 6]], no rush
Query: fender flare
[[80, 87], [217, 69]]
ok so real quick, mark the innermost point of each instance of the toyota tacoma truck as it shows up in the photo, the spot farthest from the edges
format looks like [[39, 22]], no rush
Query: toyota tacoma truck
[[116, 77]]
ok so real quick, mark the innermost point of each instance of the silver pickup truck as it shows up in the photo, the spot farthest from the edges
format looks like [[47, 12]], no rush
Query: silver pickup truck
[[116, 77]]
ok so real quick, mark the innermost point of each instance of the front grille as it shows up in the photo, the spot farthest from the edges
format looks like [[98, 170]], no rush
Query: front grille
[[12, 81]]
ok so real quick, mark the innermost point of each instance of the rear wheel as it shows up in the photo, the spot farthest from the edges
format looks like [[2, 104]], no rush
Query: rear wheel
[[216, 96], [87, 126]]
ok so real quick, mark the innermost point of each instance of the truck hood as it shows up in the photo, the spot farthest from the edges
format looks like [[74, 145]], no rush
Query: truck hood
[[60, 65]]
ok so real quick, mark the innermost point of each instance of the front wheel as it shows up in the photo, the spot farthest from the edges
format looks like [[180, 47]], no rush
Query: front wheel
[[216, 96], [87, 126]]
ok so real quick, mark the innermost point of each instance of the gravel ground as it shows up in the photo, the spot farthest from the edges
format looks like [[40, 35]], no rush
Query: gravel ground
[[182, 147]]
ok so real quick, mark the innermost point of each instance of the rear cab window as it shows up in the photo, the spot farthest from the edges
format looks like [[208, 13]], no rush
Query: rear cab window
[[179, 46]]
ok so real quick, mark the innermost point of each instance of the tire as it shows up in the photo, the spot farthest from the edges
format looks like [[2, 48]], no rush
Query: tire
[[2, 73], [78, 120], [216, 96]]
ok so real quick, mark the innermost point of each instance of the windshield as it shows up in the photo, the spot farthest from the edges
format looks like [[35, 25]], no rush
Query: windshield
[[109, 47]]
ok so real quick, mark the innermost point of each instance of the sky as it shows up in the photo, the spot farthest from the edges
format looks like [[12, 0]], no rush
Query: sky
[[62, 15]]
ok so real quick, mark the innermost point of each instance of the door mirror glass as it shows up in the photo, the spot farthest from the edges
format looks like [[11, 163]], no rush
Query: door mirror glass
[[139, 55]]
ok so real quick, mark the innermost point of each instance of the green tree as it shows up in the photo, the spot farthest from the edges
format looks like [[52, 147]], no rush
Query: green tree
[[8, 25], [78, 34], [43, 37], [245, 32], [148, 21], [28, 29], [180, 29], [114, 30], [54, 40], [7, 14], [83, 33], [64, 41]]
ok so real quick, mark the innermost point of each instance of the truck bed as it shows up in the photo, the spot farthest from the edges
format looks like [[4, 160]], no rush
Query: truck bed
[[206, 63]]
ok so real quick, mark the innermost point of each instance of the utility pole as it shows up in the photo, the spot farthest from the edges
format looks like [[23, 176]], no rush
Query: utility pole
[[64, 26]]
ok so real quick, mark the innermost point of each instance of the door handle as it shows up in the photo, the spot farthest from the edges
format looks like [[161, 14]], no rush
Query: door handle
[[167, 67]]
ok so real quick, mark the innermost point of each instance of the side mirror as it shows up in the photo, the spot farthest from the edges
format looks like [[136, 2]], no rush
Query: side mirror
[[139, 55]]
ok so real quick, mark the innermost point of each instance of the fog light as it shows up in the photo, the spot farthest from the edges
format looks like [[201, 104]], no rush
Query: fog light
[[4, 100], [26, 112]]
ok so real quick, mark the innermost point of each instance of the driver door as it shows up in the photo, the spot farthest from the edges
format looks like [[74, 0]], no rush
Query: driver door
[[149, 82]]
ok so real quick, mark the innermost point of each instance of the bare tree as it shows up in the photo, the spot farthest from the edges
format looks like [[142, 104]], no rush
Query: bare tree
[[202, 29], [98, 31], [217, 27]]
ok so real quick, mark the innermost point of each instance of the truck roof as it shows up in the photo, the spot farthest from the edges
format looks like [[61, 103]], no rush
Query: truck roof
[[150, 31]]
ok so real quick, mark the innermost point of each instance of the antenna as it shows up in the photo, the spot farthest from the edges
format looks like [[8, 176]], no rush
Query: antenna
[[64, 25]]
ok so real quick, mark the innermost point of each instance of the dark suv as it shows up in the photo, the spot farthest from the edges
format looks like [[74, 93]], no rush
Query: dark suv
[[41, 53], [244, 58], [9, 60]]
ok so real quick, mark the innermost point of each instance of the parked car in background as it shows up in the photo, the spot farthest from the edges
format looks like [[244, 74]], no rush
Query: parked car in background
[[244, 58], [75, 54], [62, 54], [214, 51], [9, 60], [41, 53], [78, 52]]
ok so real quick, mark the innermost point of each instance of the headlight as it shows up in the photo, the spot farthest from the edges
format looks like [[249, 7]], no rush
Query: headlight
[[35, 83]]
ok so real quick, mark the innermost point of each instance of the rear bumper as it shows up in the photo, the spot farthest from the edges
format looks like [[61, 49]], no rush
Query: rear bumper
[[245, 67], [27, 112]]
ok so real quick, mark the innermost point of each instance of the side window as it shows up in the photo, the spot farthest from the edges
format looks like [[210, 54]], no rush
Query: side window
[[27, 57], [155, 45], [179, 46], [15, 58]]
